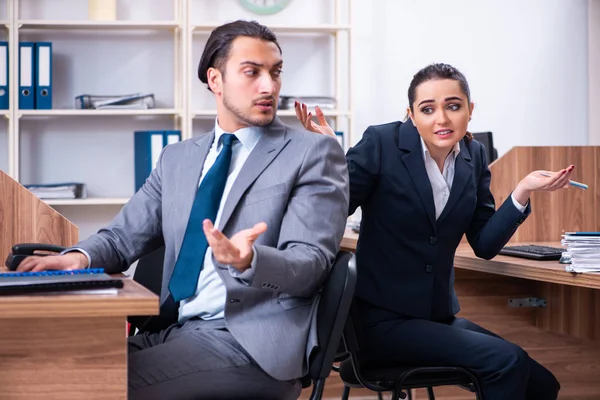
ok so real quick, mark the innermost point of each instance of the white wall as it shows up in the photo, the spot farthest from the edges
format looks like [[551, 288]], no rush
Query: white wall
[[594, 72], [526, 62]]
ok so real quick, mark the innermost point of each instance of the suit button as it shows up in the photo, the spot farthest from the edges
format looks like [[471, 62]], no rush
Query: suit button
[[433, 240], [234, 300], [429, 269]]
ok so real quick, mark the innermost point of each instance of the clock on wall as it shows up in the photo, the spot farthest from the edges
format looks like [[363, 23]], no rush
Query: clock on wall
[[265, 7]]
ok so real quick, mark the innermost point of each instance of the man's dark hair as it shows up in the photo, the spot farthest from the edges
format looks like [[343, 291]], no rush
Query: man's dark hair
[[216, 51]]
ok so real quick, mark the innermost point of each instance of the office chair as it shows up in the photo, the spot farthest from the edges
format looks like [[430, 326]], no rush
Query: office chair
[[148, 273], [334, 305], [332, 313], [398, 380], [487, 140]]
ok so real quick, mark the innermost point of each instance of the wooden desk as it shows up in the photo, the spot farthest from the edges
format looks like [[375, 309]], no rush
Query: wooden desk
[[564, 336], [541, 271], [68, 346]]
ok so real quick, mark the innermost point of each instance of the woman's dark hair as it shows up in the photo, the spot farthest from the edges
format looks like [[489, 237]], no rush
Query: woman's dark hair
[[439, 71], [216, 51]]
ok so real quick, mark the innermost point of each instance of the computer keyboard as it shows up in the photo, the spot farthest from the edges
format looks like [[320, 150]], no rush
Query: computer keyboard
[[533, 251]]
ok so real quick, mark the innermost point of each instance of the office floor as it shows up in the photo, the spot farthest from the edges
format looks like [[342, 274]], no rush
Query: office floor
[[334, 389]]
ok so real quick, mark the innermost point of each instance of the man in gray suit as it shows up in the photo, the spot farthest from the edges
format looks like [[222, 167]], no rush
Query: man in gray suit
[[246, 279]]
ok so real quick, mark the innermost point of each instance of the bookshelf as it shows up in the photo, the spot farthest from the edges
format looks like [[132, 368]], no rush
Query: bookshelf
[[97, 201], [123, 25], [83, 113], [153, 46]]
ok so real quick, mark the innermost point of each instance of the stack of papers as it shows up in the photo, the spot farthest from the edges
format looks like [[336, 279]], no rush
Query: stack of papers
[[68, 190], [583, 250]]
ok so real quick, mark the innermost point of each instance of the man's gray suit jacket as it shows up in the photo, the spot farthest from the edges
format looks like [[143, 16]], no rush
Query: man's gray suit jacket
[[295, 181]]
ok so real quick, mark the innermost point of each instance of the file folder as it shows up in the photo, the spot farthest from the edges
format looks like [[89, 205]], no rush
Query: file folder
[[4, 76], [171, 137], [43, 75], [26, 76], [340, 138], [147, 148]]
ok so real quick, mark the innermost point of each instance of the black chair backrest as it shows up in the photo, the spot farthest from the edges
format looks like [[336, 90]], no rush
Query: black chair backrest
[[334, 305], [487, 140], [148, 273]]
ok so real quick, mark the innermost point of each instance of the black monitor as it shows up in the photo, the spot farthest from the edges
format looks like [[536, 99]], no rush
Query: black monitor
[[486, 139]]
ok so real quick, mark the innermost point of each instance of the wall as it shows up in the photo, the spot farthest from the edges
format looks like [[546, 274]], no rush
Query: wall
[[526, 62], [594, 72]]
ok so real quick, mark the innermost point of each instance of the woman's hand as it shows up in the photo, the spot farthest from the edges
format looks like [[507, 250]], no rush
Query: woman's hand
[[306, 119], [537, 181]]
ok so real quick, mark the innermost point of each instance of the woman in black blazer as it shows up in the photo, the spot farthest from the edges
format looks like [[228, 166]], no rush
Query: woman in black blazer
[[422, 185]]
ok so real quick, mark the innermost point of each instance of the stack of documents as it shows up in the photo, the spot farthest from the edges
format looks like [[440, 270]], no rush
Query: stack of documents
[[70, 190], [127, 101], [583, 250]]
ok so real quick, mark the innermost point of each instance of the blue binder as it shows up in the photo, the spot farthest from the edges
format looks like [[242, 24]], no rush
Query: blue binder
[[4, 75], [26, 76], [171, 137], [147, 148], [43, 75], [340, 138]]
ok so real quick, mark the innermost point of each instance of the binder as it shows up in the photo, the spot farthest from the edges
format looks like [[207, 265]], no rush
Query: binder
[[4, 76], [340, 138], [26, 76], [147, 148], [33, 282], [171, 137], [43, 75]]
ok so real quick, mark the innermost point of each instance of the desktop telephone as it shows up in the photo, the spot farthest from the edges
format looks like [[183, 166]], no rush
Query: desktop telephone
[[21, 251]]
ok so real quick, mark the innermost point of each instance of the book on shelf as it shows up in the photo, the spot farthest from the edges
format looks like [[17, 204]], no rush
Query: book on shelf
[[127, 101], [66, 190]]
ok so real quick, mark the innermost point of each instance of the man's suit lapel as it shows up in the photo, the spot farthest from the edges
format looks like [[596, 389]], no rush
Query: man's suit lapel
[[463, 171], [409, 141], [272, 141]]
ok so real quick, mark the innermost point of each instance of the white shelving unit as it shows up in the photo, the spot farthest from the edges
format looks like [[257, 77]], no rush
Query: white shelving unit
[[280, 113], [156, 45], [125, 25], [98, 201], [95, 113]]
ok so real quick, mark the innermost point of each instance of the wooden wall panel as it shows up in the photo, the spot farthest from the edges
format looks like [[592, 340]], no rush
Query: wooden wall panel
[[24, 218], [571, 310], [553, 213]]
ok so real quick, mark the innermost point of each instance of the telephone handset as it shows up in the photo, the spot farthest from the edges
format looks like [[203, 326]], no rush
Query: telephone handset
[[23, 250]]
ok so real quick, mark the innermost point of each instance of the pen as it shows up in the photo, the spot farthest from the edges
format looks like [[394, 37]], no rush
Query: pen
[[572, 183]]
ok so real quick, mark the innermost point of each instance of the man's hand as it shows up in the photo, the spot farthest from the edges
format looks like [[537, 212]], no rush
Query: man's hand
[[236, 251], [70, 261]]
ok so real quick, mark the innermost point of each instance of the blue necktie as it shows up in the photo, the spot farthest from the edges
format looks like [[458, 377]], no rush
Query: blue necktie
[[187, 269]]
